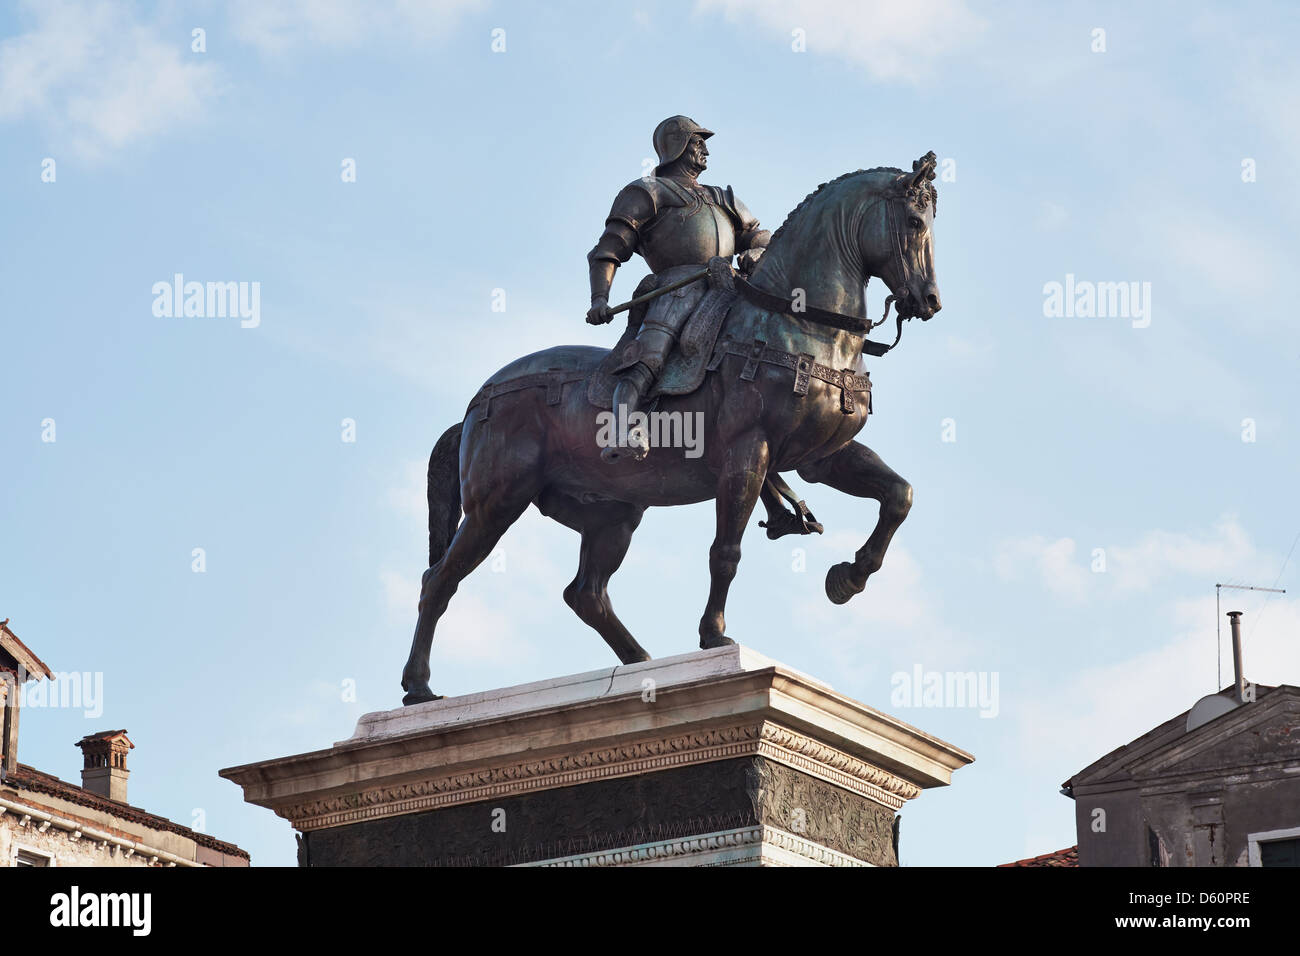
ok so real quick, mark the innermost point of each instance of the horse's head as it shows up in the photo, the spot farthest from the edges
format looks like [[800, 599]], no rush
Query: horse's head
[[897, 239]]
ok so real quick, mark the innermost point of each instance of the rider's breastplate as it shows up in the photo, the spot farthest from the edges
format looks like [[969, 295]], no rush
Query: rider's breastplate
[[691, 234]]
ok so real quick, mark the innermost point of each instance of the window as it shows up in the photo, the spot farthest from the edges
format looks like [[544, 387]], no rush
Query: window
[[1274, 847], [1279, 853], [28, 858]]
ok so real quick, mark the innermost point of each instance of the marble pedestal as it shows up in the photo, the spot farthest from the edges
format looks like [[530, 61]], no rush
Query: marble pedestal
[[716, 758]]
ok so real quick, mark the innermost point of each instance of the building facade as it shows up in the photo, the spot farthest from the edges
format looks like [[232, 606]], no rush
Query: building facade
[[1222, 791], [45, 821]]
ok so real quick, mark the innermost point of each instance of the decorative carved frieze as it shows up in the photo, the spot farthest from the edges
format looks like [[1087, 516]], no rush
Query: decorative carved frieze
[[834, 766], [762, 738]]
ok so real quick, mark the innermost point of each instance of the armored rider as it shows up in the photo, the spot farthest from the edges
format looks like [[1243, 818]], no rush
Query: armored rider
[[673, 220], [677, 224]]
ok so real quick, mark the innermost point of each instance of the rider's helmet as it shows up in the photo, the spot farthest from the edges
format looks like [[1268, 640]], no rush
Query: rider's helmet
[[672, 135]]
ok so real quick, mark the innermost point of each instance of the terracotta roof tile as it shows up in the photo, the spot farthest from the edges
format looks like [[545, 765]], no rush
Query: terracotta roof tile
[[104, 735], [1067, 857]]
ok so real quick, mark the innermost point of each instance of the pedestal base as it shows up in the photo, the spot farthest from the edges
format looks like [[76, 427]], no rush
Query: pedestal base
[[718, 758]]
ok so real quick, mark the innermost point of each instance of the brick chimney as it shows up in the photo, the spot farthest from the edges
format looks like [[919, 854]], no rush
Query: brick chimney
[[105, 772]]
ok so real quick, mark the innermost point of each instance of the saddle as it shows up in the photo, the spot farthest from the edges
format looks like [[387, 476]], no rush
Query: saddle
[[688, 362], [699, 350]]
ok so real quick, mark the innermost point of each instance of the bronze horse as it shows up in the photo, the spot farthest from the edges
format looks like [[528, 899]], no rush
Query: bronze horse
[[538, 445]]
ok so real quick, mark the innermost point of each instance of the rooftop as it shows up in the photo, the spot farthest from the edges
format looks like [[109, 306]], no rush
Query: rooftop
[[1067, 857], [103, 736], [37, 781], [11, 648], [1121, 762]]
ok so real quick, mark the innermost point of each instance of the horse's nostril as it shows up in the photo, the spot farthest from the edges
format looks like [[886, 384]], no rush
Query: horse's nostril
[[932, 301]]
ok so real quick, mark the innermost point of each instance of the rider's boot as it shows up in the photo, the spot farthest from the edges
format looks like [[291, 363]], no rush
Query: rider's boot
[[781, 522], [632, 385]]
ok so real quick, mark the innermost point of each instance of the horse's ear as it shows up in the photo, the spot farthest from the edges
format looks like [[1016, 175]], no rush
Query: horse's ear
[[923, 168]]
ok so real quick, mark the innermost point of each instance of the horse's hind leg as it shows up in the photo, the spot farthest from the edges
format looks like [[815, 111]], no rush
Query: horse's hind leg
[[606, 529], [740, 480], [857, 470], [477, 535]]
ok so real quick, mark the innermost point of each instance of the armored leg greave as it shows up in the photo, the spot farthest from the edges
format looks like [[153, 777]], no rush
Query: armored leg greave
[[632, 385]]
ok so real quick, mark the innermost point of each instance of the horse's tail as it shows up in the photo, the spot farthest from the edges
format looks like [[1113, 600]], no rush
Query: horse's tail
[[444, 492]]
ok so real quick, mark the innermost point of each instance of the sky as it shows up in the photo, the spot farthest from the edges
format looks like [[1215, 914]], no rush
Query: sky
[[183, 518]]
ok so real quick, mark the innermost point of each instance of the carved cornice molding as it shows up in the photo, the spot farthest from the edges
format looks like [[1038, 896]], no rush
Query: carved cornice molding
[[563, 770], [744, 846], [642, 756], [835, 766]]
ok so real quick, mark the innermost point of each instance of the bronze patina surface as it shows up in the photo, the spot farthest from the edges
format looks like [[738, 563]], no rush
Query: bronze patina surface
[[786, 390]]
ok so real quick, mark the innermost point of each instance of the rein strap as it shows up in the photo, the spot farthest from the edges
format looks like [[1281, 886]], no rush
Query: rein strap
[[846, 323]]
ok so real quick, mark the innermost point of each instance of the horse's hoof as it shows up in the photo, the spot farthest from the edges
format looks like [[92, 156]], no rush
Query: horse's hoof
[[709, 643], [420, 695], [840, 585]]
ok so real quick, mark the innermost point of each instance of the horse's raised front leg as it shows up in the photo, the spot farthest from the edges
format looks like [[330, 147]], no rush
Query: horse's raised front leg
[[740, 480], [858, 470]]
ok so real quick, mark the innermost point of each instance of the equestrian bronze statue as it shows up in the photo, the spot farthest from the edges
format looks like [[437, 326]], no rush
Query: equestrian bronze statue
[[768, 360]]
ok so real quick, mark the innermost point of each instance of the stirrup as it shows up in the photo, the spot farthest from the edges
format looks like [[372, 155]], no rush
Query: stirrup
[[788, 522], [637, 447]]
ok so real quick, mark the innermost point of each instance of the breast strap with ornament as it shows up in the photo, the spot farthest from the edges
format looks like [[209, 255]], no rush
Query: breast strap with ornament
[[805, 369]]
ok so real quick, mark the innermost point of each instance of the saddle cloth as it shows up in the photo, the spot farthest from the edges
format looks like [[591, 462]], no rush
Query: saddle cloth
[[687, 364]]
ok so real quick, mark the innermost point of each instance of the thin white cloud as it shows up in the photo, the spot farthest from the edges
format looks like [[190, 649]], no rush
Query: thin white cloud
[[971, 352], [896, 623], [409, 334], [1229, 254], [1066, 570], [1263, 87], [890, 40], [1053, 562], [1220, 554], [281, 26], [319, 704], [1082, 716], [410, 498], [100, 78]]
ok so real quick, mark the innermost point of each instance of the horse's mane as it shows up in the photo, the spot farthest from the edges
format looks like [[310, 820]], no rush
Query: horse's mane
[[794, 213]]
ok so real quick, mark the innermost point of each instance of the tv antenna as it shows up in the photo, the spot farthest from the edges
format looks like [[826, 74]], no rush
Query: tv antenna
[[1218, 619]]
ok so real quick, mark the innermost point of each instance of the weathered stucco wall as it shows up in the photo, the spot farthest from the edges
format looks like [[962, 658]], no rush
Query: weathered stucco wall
[[1123, 842], [58, 844], [1207, 827]]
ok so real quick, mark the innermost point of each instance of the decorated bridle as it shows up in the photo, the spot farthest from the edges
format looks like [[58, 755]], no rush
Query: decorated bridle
[[918, 192], [914, 189]]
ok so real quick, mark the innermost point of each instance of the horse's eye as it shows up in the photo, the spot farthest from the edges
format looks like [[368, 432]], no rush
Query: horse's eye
[[917, 223]]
